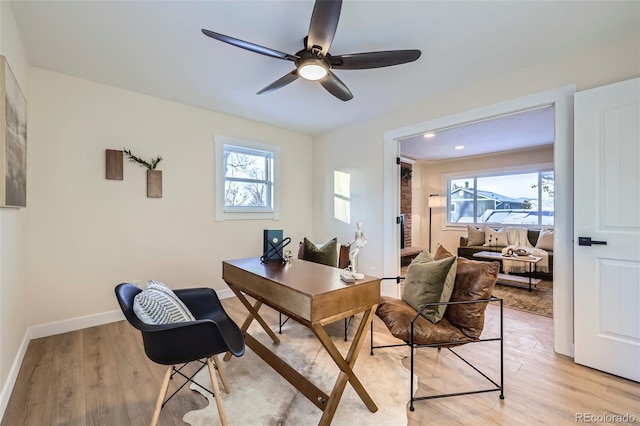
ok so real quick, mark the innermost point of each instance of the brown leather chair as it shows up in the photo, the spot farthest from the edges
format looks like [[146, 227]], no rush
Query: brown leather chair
[[462, 323]]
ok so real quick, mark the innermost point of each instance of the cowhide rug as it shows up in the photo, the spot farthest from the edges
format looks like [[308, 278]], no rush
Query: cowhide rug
[[260, 396]]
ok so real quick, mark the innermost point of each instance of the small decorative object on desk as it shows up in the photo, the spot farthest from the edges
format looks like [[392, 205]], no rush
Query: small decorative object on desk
[[348, 276], [359, 240], [273, 244]]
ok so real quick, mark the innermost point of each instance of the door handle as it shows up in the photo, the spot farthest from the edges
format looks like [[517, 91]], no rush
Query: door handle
[[587, 241]]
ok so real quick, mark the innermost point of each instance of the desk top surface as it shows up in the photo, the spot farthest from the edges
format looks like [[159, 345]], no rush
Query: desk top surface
[[305, 290], [306, 277]]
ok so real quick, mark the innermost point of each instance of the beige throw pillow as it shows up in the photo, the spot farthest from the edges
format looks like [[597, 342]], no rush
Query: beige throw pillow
[[430, 281], [475, 236], [493, 238], [545, 240]]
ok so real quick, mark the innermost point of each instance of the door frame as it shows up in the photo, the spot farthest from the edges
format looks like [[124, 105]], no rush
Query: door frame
[[562, 99]]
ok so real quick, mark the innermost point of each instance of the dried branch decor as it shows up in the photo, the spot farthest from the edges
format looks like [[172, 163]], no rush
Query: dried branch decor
[[151, 166]]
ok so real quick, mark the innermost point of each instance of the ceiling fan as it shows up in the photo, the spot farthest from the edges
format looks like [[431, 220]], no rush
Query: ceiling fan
[[314, 61]]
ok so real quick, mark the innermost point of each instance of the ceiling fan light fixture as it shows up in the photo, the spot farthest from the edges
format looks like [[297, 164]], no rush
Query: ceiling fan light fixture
[[313, 69]]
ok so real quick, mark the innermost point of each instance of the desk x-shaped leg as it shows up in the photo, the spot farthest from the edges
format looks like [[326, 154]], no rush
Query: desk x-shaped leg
[[327, 403], [253, 314], [346, 367]]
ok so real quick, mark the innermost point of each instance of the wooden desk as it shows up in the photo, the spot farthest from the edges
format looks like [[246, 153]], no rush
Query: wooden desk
[[313, 295]]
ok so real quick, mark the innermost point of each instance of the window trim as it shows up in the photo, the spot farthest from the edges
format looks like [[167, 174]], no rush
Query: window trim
[[528, 168], [223, 213]]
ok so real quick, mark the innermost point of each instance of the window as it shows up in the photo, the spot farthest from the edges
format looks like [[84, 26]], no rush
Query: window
[[342, 196], [246, 185], [517, 198]]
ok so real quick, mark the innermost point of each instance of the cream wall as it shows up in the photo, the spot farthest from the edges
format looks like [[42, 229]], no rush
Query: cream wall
[[361, 145], [14, 318], [431, 182], [88, 234]]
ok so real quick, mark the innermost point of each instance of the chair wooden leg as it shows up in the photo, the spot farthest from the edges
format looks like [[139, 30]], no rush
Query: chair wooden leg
[[216, 391], [223, 377], [161, 395]]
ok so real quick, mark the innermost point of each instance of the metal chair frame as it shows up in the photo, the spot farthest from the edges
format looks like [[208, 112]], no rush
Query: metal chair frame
[[497, 387]]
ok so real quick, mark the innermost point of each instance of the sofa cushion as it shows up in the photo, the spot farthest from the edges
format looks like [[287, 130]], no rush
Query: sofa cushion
[[158, 304], [326, 254], [475, 236], [474, 281], [397, 316], [495, 238], [429, 281], [545, 240]]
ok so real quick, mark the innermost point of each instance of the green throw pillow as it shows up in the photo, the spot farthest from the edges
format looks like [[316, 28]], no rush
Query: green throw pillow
[[430, 281], [326, 254], [423, 257]]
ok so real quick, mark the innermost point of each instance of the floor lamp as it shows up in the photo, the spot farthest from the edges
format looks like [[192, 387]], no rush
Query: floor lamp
[[435, 201]]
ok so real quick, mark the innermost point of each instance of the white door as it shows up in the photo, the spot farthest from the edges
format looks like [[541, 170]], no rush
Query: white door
[[607, 210]]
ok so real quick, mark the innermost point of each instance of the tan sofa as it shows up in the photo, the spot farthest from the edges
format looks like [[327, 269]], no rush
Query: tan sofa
[[467, 251]]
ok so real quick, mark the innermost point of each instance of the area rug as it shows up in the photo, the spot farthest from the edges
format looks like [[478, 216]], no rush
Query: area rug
[[539, 301], [259, 396]]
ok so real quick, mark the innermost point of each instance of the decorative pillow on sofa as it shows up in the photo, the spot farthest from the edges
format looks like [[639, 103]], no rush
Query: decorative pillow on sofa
[[327, 254], [429, 281], [474, 281], [475, 236], [493, 238], [158, 304], [545, 240]]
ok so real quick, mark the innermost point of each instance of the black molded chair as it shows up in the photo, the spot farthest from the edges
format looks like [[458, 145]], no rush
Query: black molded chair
[[212, 333]]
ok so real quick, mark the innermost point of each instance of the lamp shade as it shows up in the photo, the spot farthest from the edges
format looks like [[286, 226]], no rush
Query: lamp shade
[[436, 200]]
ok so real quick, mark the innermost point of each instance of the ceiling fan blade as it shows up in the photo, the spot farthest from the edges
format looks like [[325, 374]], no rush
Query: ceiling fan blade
[[336, 87], [360, 61], [324, 22], [249, 46], [289, 78]]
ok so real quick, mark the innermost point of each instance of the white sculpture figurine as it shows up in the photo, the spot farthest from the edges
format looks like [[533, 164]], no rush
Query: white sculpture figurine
[[359, 240]]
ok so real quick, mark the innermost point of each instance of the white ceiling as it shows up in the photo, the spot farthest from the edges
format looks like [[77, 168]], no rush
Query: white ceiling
[[156, 48], [523, 130]]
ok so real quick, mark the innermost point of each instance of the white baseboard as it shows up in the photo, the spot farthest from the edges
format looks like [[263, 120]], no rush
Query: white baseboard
[[73, 324], [64, 326], [5, 394], [225, 294]]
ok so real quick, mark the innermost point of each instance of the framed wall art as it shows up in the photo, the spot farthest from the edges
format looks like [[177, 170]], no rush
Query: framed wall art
[[13, 140]]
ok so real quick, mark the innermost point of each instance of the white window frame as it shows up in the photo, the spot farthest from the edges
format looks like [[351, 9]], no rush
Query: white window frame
[[245, 212], [531, 168]]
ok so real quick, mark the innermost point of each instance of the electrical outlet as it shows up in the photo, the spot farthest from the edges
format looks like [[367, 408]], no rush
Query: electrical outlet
[[372, 271]]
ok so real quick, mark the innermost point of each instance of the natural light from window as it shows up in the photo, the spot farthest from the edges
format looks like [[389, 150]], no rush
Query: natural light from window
[[246, 179], [522, 198], [342, 196]]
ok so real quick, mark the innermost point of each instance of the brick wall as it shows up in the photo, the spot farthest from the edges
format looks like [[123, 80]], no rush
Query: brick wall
[[405, 205]]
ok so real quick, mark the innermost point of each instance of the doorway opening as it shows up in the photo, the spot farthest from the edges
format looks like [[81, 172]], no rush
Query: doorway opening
[[562, 101], [490, 174]]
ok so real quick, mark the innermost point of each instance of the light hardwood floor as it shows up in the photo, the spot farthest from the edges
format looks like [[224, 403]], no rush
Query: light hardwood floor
[[101, 376]]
